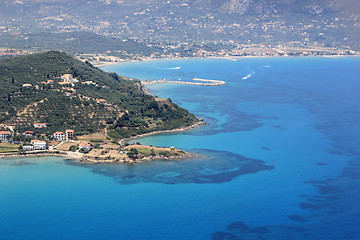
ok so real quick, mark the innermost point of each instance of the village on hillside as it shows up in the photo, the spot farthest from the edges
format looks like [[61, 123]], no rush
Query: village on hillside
[[66, 80], [92, 148], [29, 141]]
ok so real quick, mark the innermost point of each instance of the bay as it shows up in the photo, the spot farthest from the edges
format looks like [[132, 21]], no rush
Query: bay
[[281, 149]]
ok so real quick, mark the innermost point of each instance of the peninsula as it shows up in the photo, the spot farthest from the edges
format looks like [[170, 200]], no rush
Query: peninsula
[[51, 98]]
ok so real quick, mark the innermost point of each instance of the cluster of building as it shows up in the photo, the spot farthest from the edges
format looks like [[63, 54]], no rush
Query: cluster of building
[[61, 136], [35, 145], [65, 79], [68, 79], [69, 134]]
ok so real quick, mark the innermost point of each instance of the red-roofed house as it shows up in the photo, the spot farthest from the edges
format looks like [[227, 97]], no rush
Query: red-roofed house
[[101, 101], [4, 135], [85, 145], [59, 136], [39, 125], [28, 133], [69, 134]]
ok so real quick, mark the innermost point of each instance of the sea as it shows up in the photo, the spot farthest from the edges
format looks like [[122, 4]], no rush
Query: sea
[[279, 158]]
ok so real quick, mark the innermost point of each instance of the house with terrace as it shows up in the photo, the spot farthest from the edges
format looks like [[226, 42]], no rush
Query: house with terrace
[[38, 144], [4, 135], [69, 134], [59, 136], [39, 125]]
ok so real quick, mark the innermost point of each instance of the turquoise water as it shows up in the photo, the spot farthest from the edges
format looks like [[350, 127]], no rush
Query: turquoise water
[[279, 161]]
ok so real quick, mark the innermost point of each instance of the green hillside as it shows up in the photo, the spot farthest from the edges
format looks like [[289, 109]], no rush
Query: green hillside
[[128, 110], [74, 42]]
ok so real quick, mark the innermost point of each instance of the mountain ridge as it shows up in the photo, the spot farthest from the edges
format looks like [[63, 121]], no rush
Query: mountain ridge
[[334, 22]]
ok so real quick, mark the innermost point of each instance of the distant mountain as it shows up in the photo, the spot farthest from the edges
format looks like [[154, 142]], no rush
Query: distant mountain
[[33, 90], [258, 7], [326, 22], [228, 6]]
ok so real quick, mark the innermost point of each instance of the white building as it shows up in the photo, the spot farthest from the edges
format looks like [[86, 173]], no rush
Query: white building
[[85, 145], [69, 134], [28, 148], [59, 136], [4, 135], [39, 125], [38, 145], [68, 78]]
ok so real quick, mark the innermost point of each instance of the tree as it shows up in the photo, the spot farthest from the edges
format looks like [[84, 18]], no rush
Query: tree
[[16, 138], [152, 152], [72, 148], [83, 150], [114, 76], [132, 153]]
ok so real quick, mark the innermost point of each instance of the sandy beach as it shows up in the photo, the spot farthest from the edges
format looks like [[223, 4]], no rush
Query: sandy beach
[[198, 124], [230, 58]]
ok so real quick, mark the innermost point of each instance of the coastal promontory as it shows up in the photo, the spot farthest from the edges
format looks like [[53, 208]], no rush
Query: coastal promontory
[[45, 95]]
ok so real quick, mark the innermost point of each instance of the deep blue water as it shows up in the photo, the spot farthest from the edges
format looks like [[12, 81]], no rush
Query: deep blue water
[[280, 161]]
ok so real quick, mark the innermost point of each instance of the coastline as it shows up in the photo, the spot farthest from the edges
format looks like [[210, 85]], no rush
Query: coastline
[[137, 161], [71, 155], [183, 129], [81, 158], [230, 58], [75, 155]]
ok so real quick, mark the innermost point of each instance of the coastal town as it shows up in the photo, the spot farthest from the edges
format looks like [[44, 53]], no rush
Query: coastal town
[[91, 148], [55, 104], [240, 50], [143, 32], [95, 148], [179, 50]]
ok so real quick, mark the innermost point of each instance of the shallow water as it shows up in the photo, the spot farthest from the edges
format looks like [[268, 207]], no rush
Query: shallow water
[[282, 162]]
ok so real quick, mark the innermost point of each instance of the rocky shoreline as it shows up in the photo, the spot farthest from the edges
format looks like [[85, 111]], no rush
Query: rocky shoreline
[[82, 158], [137, 161]]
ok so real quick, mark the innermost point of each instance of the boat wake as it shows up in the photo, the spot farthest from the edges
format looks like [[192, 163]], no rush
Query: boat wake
[[172, 68], [248, 76]]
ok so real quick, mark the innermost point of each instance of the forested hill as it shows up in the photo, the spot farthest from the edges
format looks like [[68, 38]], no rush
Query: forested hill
[[32, 91]]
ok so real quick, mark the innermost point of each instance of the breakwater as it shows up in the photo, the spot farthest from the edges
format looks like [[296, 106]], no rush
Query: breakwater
[[199, 82]]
